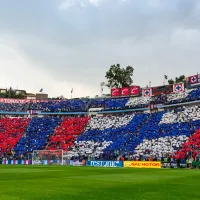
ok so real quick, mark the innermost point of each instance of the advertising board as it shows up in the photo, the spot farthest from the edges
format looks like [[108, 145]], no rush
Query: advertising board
[[165, 89], [104, 163], [115, 92], [134, 90], [142, 164], [126, 91], [76, 163]]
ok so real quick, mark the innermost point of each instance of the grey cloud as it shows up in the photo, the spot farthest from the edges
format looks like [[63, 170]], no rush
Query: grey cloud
[[80, 43]]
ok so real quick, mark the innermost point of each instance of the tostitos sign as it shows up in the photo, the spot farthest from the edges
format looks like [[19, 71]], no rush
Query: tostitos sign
[[142, 164]]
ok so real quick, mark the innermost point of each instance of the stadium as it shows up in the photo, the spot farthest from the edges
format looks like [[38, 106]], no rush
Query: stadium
[[99, 100], [121, 142]]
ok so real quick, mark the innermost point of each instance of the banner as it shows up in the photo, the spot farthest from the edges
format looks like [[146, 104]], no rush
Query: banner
[[152, 106], [147, 92], [178, 87], [196, 164], [3, 100], [134, 90], [142, 164], [125, 91], [194, 79], [34, 112], [76, 163], [164, 89], [173, 165], [169, 165], [17, 162], [182, 165], [115, 92], [166, 165], [104, 163]]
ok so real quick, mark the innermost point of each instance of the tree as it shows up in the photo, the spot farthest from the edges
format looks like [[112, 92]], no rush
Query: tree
[[119, 77], [180, 79], [171, 81], [177, 79]]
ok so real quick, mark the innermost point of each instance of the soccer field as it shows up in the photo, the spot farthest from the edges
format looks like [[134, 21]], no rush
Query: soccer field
[[77, 183]]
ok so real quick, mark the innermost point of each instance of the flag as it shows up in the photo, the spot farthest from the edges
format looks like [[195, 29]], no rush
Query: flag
[[178, 87], [149, 84], [194, 79], [152, 106], [41, 90], [166, 77], [103, 84], [147, 92], [72, 90]]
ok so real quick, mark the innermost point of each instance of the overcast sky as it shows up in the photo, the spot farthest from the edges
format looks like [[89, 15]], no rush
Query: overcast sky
[[62, 44]]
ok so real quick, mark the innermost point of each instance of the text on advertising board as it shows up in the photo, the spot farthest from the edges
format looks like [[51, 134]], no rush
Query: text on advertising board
[[141, 164], [105, 163]]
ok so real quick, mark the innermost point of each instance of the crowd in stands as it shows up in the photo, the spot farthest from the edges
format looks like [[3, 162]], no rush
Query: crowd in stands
[[116, 103], [98, 103], [186, 96], [138, 135], [191, 148], [66, 133], [11, 130], [60, 106], [143, 102], [36, 135], [138, 102], [13, 107], [82, 105], [174, 98], [108, 137]]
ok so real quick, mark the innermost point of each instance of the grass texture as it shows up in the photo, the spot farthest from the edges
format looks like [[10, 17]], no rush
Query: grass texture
[[20, 182]]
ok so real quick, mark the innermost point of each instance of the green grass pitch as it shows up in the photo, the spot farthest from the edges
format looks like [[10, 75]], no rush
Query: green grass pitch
[[85, 183]]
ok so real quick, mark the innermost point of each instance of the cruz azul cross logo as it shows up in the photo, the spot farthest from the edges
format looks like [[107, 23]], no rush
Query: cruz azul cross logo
[[178, 87], [193, 79], [147, 92]]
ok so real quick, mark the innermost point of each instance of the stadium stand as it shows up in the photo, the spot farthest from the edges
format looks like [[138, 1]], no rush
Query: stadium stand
[[13, 107], [36, 135], [186, 96], [166, 131], [116, 103], [191, 146], [11, 130], [66, 133], [138, 102], [82, 105], [109, 103], [109, 136], [98, 103], [60, 106], [140, 135]]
